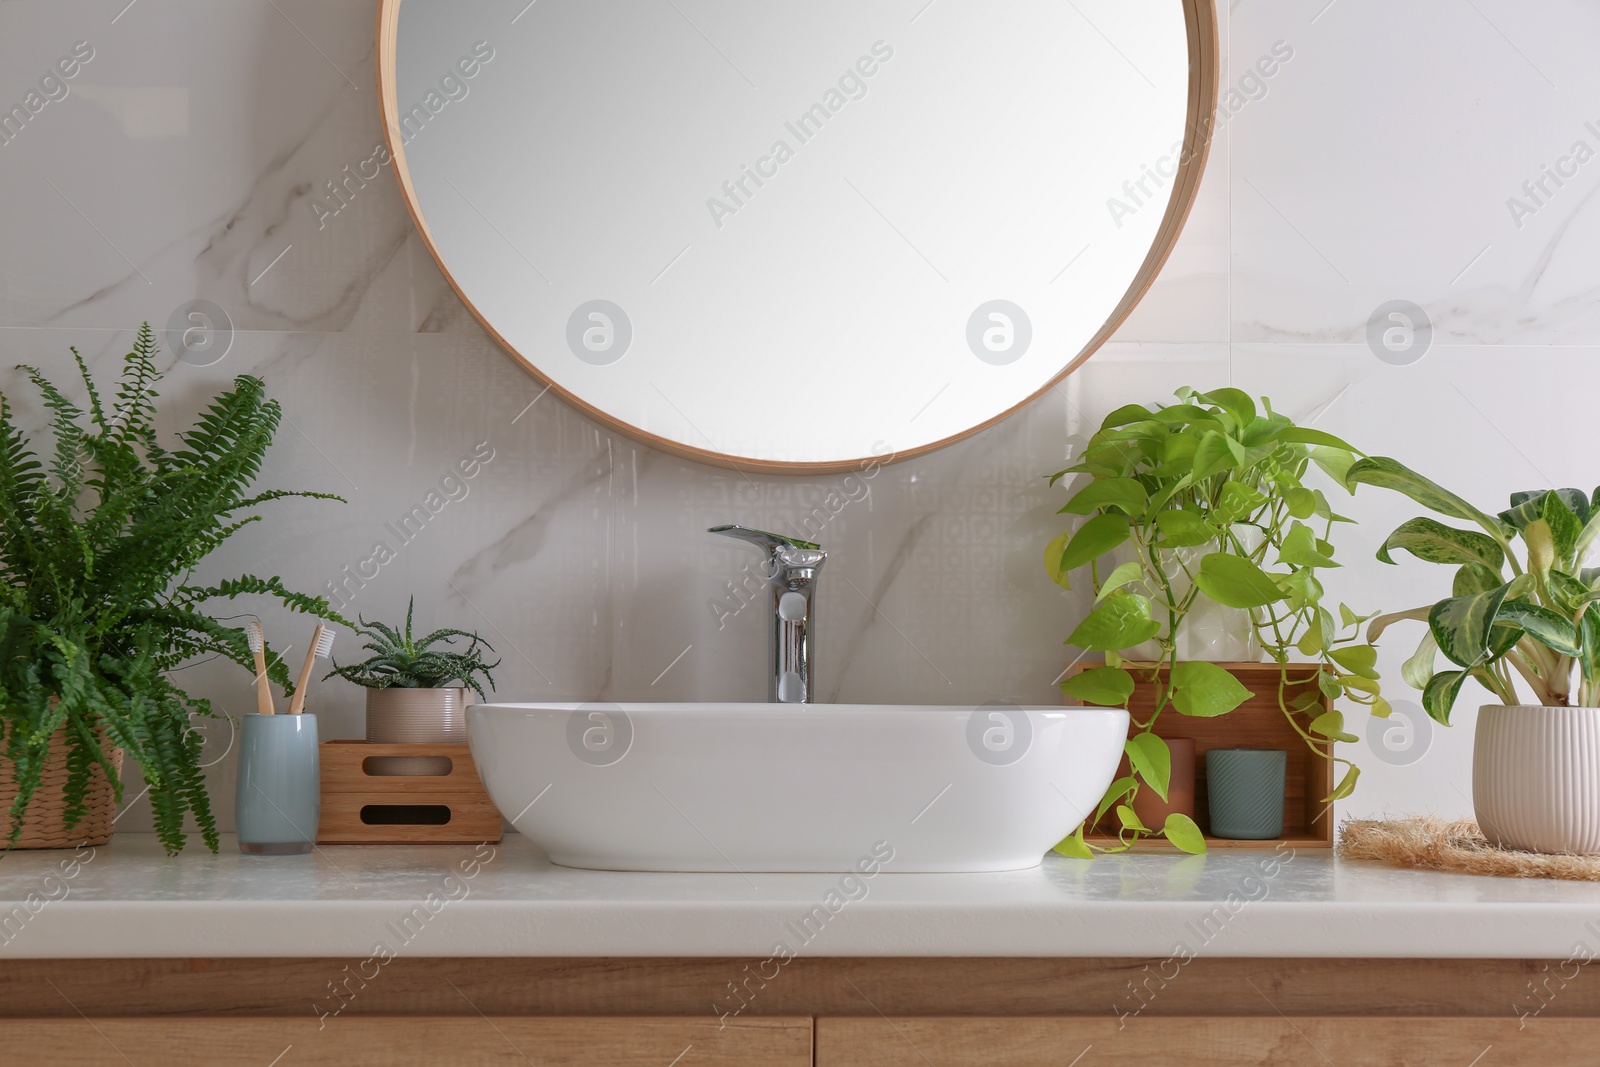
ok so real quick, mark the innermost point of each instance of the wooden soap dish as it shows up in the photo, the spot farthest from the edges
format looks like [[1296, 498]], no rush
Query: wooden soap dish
[[403, 795]]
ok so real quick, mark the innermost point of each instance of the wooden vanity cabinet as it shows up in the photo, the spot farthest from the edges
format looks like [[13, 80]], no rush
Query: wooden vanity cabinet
[[1309, 1041], [828, 1011], [408, 1041]]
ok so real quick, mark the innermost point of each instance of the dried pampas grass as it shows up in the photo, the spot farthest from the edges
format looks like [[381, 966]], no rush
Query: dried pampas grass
[[1430, 843]]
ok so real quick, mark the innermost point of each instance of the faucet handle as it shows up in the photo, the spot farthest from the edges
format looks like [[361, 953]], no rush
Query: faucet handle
[[767, 542]]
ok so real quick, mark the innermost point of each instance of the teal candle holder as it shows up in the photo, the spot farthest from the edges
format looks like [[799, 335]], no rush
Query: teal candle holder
[[1245, 787], [279, 795]]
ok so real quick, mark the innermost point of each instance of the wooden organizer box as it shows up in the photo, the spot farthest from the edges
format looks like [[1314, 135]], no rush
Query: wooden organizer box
[[1257, 723], [447, 807]]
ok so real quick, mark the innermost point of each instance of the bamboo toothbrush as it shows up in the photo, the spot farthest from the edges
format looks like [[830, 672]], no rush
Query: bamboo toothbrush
[[321, 646], [258, 647]]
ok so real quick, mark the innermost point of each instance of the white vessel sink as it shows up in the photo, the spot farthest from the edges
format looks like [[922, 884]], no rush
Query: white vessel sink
[[775, 787]]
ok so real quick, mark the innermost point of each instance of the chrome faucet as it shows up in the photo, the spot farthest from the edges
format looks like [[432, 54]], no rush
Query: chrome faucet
[[791, 571]]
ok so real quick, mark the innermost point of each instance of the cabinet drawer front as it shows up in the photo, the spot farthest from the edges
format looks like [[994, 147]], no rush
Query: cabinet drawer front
[[409, 1041], [1218, 1041]]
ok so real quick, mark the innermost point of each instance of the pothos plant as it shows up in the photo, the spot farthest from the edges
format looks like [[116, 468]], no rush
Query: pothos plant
[[1532, 619], [1206, 498], [98, 601]]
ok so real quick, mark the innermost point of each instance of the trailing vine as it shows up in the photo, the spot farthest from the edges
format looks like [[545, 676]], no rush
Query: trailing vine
[[1208, 498]]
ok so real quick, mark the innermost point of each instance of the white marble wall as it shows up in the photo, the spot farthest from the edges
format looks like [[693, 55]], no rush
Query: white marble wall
[[1374, 165]]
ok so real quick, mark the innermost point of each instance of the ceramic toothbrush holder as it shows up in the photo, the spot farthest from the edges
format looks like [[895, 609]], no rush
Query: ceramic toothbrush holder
[[279, 797]]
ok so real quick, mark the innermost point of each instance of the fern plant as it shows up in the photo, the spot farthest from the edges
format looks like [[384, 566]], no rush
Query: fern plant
[[403, 662], [97, 552]]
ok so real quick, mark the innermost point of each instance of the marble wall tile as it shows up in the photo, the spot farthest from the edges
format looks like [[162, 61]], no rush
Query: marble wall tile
[[1381, 164]]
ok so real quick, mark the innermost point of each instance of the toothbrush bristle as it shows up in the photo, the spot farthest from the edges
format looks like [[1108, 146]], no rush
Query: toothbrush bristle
[[252, 634], [325, 643]]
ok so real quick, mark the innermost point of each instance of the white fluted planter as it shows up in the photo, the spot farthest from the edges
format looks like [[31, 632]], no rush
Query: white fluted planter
[[1536, 778]]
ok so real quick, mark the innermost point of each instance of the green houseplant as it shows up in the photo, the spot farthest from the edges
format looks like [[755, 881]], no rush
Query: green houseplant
[[1511, 623], [409, 698], [97, 550], [1204, 500]]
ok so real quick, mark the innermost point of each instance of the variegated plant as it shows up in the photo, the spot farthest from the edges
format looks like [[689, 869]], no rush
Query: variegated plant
[[1506, 618]]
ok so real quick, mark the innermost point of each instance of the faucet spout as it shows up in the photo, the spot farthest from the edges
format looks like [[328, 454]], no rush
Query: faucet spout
[[791, 570]]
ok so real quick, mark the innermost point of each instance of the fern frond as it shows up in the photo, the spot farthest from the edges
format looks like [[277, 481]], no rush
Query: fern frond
[[96, 605], [97, 410], [134, 410]]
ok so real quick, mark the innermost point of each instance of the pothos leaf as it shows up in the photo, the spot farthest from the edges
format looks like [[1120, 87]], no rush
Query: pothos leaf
[[1124, 494], [1213, 456], [1114, 792], [1346, 786], [1123, 576], [1073, 847], [1330, 724], [1300, 549], [1150, 757], [1182, 832], [1358, 659], [1052, 561], [1130, 819], [1235, 582], [1235, 503], [1094, 539], [1121, 621], [1335, 462], [1205, 690], [1308, 435], [1107, 686], [1184, 529], [1235, 401]]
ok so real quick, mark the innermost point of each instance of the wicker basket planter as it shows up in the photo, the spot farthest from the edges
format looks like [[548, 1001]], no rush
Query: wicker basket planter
[[44, 825]]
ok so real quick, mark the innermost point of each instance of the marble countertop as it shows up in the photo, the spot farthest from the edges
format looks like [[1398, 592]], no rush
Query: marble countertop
[[128, 900]]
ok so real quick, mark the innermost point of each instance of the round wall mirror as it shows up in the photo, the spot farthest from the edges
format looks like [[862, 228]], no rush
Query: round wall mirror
[[798, 236]]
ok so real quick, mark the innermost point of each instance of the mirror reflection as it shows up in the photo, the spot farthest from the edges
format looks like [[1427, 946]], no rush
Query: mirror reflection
[[794, 236]]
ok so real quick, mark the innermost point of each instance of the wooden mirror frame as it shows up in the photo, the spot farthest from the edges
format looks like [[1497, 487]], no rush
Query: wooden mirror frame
[[1200, 18]]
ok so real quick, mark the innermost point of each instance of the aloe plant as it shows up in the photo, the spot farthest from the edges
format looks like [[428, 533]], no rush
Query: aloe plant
[[404, 662], [1506, 619], [1210, 476]]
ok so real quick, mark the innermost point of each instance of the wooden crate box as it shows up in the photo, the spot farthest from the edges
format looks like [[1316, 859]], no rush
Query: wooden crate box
[[1257, 723], [362, 805]]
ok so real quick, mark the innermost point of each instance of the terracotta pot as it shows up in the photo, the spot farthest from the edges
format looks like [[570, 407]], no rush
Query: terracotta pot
[[1536, 778], [44, 825], [417, 716]]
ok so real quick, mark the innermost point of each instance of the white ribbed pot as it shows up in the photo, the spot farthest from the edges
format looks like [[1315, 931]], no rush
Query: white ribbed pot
[[1536, 778], [417, 716]]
